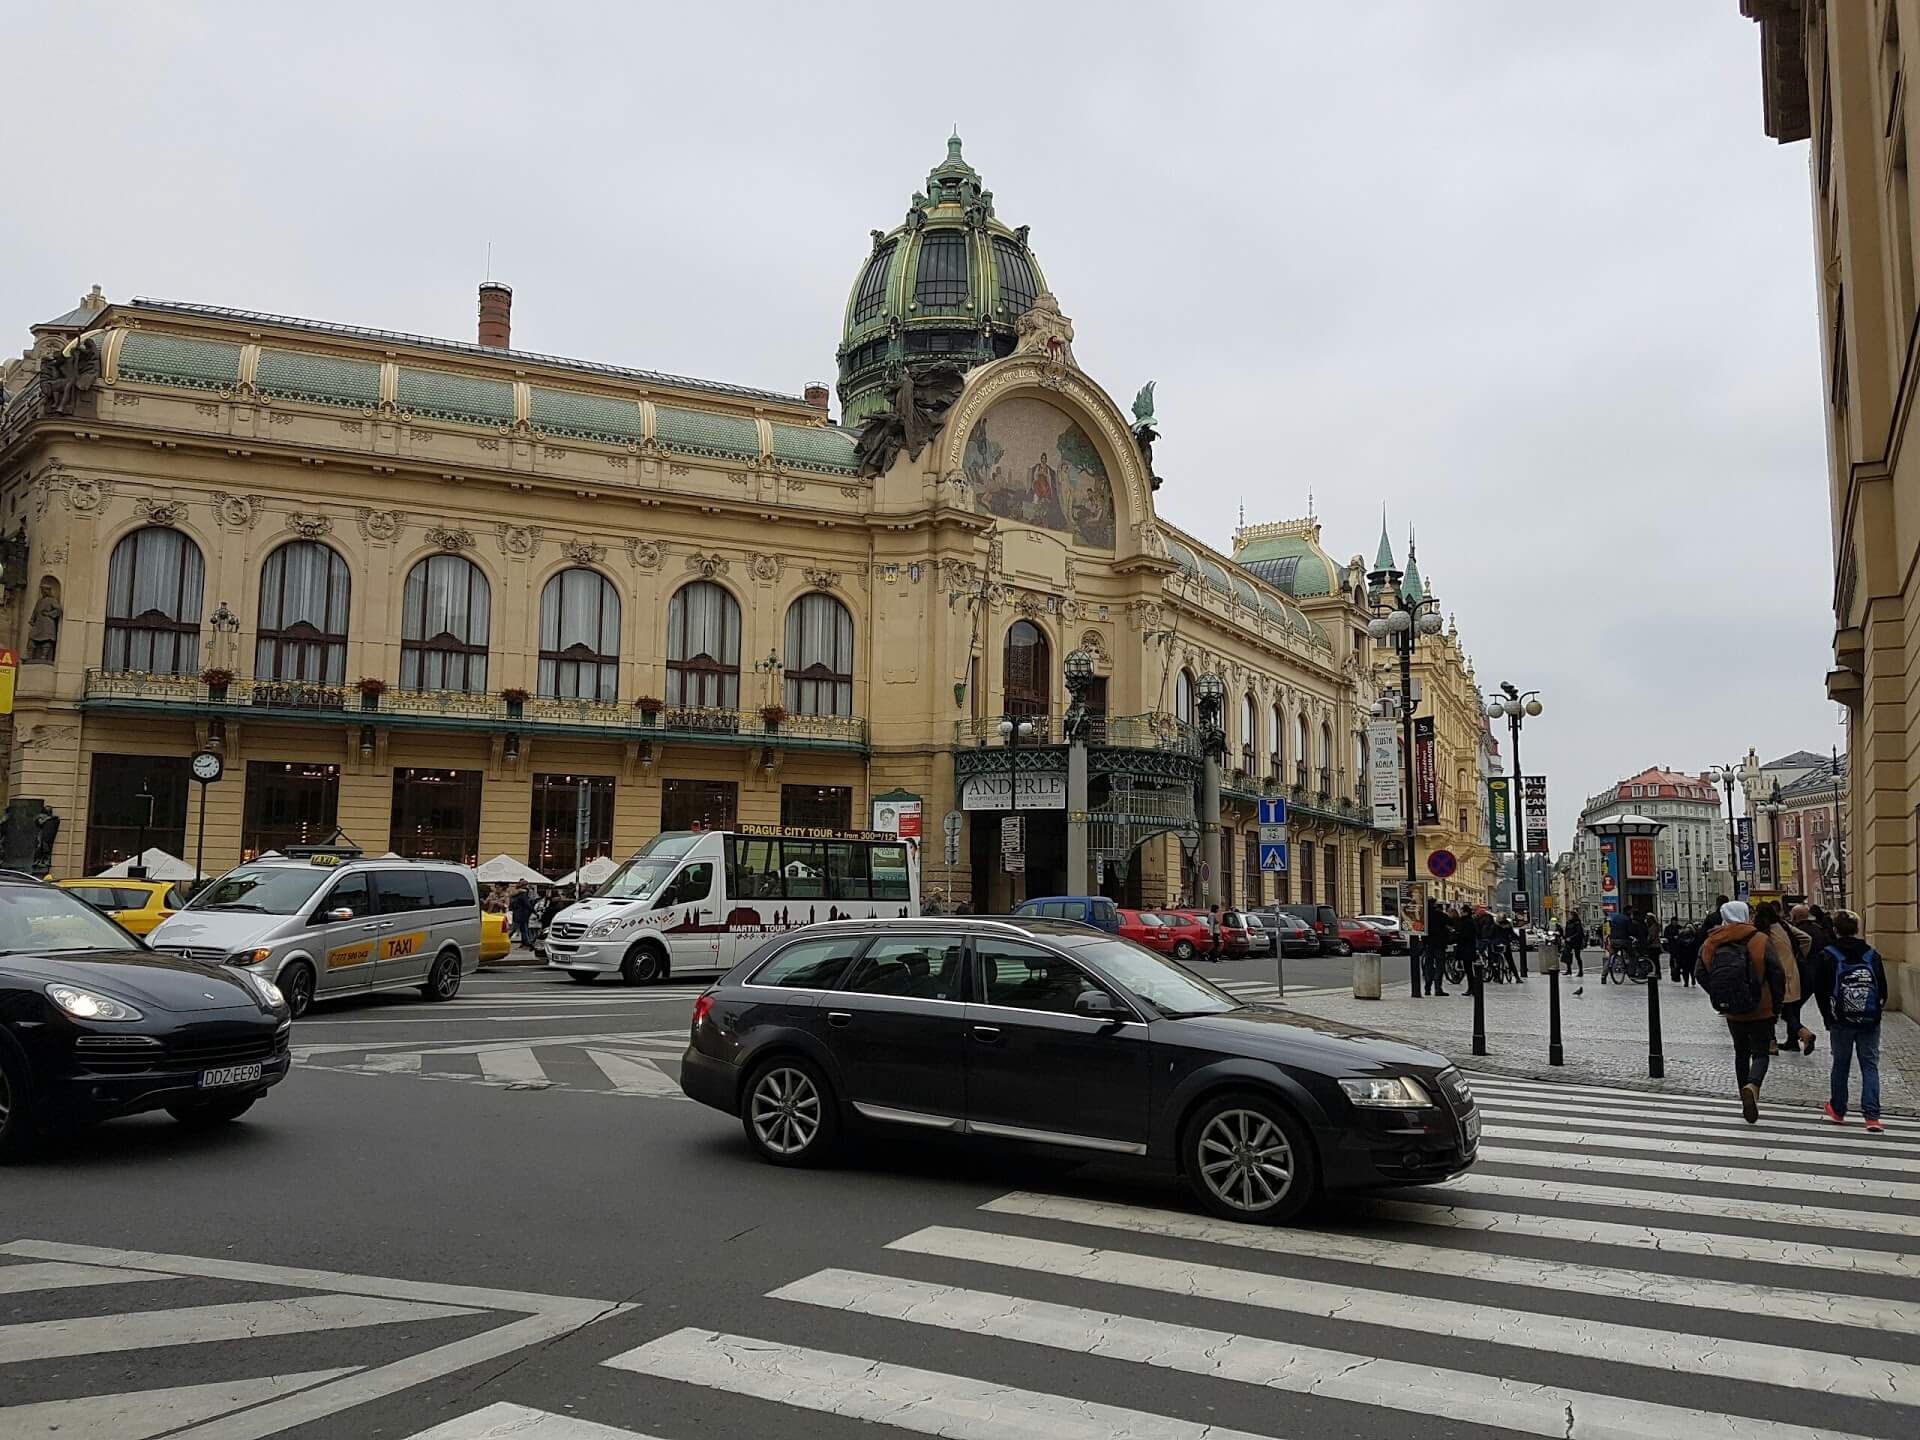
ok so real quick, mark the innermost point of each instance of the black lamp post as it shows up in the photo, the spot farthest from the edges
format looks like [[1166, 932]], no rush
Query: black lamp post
[[1839, 836], [1517, 706], [1402, 612], [1620, 829], [1014, 729], [1727, 776], [1209, 704], [138, 869]]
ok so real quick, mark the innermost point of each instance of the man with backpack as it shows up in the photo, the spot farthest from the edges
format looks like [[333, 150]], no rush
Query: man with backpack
[[1745, 984], [1851, 989]]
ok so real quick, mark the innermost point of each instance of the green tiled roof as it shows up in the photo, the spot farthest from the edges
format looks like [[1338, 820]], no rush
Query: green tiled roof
[[439, 395], [1215, 576], [321, 379], [175, 360], [700, 432], [584, 417], [1245, 593], [814, 447], [1183, 557]]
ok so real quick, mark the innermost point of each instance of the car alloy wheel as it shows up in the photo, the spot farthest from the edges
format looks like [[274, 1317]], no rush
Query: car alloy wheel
[[296, 983], [446, 978], [1246, 1161], [1183, 950], [785, 1110]]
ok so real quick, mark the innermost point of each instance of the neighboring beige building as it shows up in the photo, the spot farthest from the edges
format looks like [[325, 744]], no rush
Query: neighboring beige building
[[435, 592], [1835, 74]]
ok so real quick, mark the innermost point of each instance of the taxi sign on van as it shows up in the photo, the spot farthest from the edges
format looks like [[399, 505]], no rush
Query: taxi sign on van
[[325, 858]]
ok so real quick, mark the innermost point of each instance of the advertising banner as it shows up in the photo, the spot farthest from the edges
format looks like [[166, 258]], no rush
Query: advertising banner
[[1533, 797], [1500, 813], [1425, 781], [1640, 857], [1609, 878], [1387, 784], [1743, 845], [1764, 854]]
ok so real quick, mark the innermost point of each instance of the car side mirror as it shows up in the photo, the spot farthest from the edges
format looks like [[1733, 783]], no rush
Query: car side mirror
[[340, 913], [1098, 1005]]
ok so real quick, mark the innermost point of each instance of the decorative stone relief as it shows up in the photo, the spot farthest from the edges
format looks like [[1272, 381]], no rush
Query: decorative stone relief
[[643, 554], [1095, 644], [821, 579], [957, 577], [312, 527], [159, 512], [443, 537], [517, 539], [583, 552], [87, 495], [707, 565], [237, 512], [379, 524], [765, 568]]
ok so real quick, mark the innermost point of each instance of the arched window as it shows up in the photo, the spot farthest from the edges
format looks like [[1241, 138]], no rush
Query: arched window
[[1326, 758], [703, 647], [1303, 751], [444, 614], [1360, 767], [580, 636], [819, 656], [1249, 735], [154, 585], [1029, 674], [1183, 697], [302, 635], [1279, 733]]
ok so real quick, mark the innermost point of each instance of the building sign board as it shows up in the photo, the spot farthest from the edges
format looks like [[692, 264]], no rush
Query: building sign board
[[1385, 783], [1533, 797], [1426, 782], [1037, 791], [1499, 812]]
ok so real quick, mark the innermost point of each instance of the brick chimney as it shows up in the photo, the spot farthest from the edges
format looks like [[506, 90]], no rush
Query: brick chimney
[[817, 395], [496, 315]]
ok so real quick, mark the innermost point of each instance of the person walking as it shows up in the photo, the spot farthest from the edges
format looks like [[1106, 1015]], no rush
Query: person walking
[[1744, 983], [1466, 945], [1801, 943], [1433, 956], [1686, 952], [1576, 945], [1673, 944], [519, 909], [1766, 919], [1851, 990]]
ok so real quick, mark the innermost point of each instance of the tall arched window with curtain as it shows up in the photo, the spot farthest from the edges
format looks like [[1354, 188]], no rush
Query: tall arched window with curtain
[[819, 656], [703, 647], [580, 636], [1302, 751], [1029, 671], [1249, 735], [1278, 731], [1326, 758], [1183, 697], [1360, 767], [445, 611], [302, 635], [155, 580]]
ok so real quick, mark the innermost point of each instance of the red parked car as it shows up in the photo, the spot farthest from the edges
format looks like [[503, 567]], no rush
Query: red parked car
[[1236, 940], [1359, 935], [1143, 927], [1191, 935]]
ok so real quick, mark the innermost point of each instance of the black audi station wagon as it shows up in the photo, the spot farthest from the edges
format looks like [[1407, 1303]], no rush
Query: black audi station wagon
[[1053, 1035]]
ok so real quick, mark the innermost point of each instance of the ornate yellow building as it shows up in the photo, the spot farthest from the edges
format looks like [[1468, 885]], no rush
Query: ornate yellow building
[[453, 597]]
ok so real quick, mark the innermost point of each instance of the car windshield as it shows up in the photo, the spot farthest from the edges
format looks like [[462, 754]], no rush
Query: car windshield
[[48, 921], [264, 889], [1172, 991], [639, 878]]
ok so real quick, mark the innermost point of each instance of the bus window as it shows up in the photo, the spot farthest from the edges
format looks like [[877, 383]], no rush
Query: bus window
[[804, 863], [753, 869], [846, 870], [890, 878]]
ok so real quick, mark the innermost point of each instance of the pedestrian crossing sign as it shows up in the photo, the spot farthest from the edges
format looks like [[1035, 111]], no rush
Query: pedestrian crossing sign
[[1273, 859]]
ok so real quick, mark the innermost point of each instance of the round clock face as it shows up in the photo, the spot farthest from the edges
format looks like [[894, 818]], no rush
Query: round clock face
[[206, 766]]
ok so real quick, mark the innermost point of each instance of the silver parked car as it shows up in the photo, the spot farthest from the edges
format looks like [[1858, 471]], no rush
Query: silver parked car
[[322, 922]]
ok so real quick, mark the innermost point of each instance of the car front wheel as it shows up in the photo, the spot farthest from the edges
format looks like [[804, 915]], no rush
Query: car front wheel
[[444, 981], [296, 983], [16, 1106], [789, 1112], [1183, 951], [1247, 1158]]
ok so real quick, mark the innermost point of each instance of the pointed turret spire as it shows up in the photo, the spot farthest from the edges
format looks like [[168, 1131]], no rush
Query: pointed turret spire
[[1383, 557], [1411, 589]]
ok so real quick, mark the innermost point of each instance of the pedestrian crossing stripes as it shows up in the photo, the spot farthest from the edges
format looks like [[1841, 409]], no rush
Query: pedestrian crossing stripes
[[1594, 1277], [1267, 991], [645, 1066]]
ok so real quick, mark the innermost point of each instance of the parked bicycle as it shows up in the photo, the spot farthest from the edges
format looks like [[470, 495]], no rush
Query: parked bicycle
[[1620, 968]]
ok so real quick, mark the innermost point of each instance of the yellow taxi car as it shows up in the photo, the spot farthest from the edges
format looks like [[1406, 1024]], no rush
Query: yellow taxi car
[[139, 905], [494, 944]]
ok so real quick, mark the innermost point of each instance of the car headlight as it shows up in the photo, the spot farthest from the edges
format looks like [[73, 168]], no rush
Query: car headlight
[[603, 929], [1392, 1092], [87, 1005], [264, 990], [246, 957]]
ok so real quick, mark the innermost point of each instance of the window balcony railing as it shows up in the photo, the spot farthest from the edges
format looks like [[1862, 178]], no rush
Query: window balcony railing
[[1326, 784], [1300, 773], [458, 709], [1156, 730]]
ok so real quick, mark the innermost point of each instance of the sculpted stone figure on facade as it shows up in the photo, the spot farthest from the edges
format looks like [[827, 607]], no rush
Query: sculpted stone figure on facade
[[70, 373], [516, 539], [43, 629], [919, 401]]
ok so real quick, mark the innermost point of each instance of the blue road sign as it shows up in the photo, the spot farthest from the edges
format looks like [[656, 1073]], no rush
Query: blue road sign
[[1273, 812], [1669, 879], [1273, 858]]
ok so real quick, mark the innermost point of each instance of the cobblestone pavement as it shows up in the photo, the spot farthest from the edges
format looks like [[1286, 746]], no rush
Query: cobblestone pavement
[[1603, 1031]]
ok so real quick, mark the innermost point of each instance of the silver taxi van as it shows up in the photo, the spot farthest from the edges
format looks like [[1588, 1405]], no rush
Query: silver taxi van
[[327, 921]]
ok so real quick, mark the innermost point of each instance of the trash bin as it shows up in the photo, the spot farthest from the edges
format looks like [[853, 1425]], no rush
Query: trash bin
[[1366, 977]]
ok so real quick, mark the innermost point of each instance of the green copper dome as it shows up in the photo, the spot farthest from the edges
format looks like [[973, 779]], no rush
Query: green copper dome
[[1287, 555], [943, 287]]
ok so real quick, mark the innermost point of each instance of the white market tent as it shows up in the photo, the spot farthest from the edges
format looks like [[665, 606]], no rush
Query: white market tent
[[596, 871], [505, 870], [160, 866]]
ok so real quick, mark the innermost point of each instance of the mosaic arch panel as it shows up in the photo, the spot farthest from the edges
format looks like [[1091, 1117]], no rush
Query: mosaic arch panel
[[1029, 461]]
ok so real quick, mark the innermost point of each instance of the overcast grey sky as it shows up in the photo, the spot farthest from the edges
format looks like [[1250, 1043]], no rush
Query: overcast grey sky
[[1528, 274]]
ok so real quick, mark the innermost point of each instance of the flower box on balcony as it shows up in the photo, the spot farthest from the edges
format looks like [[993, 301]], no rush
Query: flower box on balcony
[[516, 699], [216, 679], [771, 716], [649, 707], [372, 687]]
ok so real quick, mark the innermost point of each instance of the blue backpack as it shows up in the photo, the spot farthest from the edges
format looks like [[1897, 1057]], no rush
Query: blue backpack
[[1856, 994]]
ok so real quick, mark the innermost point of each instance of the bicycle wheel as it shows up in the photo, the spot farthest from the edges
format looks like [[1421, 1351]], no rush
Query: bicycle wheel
[[1455, 970]]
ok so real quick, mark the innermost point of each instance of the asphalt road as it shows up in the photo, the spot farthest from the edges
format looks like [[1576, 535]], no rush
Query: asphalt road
[[457, 1219]]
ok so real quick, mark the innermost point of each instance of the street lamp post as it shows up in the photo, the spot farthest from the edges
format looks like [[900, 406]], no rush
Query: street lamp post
[[1839, 839], [1209, 698], [1726, 775], [138, 869], [1621, 829], [1518, 706], [1402, 612], [1013, 729], [1079, 676]]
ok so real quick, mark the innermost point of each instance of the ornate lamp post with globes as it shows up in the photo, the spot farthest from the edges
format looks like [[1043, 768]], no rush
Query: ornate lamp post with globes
[[1014, 729], [1517, 705], [1079, 677], [1402, 613], [1727, 776], [1210, 693]]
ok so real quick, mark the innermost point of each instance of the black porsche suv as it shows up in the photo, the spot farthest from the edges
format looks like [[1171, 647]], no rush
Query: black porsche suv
[[1048, 1034]]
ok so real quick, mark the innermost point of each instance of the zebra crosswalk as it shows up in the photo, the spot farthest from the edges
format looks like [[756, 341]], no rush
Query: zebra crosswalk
[[643, 1065], [1267, 992], [1617, 1265]]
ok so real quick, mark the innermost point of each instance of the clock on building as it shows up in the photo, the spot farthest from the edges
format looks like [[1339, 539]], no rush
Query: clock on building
[[207, 767]]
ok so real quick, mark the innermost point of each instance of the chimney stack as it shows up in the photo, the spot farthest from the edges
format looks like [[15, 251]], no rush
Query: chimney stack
[[817, 395], [496, 315]]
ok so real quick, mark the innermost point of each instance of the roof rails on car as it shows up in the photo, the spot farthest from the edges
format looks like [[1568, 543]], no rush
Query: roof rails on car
[[21, 875]]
